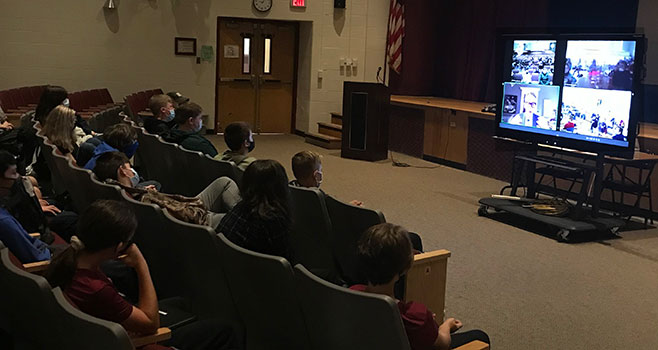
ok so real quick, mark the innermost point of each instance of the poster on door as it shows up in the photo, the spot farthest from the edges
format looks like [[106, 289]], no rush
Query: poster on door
[[231, 51]]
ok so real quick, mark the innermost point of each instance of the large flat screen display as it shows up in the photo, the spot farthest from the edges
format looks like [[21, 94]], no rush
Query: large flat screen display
[[574, 91]]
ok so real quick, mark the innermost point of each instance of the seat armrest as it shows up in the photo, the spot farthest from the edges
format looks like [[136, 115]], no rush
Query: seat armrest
[[162, 334], [35, 235], [426, 280], [36, 267], [474, 345]]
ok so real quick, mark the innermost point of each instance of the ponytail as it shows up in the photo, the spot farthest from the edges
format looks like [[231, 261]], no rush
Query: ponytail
[[104, 224]]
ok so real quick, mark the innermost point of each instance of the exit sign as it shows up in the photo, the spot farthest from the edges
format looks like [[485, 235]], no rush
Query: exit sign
[[297, 3]]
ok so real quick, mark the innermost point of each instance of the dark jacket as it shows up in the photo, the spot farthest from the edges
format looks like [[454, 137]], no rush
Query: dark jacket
[[156, 126], [190, 140]]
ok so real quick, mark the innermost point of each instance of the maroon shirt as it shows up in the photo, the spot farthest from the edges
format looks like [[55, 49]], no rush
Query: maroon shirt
[[94, 294], [418, 321]]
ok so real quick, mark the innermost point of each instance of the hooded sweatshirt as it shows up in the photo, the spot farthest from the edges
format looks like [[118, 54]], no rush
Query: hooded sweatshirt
[[190, 140]]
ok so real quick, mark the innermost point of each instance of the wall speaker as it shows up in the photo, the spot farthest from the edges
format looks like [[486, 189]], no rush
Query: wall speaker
[[339, 4]]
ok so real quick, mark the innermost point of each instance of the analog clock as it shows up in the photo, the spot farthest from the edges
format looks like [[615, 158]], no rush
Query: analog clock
[[263, 5]]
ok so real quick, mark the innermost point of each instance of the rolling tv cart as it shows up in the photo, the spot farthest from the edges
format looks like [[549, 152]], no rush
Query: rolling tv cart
[[580, 218]]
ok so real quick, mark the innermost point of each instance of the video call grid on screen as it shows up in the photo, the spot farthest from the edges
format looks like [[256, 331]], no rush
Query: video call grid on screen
[[596, 99]]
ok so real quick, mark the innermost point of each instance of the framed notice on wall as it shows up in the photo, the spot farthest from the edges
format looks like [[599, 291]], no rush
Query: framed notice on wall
[[185, 46]]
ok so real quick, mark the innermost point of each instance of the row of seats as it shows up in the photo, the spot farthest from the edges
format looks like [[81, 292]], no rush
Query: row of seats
[[139, 101], [102, 119], [20, 99], [179, 170], [33, 307], [90, 101], [281, 308]]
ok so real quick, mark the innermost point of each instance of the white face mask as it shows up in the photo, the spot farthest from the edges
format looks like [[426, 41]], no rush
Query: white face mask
[[318, 178], [66, 103]]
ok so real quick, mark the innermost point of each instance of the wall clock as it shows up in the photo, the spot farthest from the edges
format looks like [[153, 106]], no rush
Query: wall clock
[[262, 5]]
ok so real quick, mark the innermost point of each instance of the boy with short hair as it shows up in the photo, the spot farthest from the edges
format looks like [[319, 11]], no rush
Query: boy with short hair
[[307, 168], [163, 111], [385, 254], [186, 131], [240, 141]]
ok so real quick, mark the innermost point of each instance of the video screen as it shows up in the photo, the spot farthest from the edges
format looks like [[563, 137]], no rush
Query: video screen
[[598, 115], [530, 106], [598, 64], [533, 61]]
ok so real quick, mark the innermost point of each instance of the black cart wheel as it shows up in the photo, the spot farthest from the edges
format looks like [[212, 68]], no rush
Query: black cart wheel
[[483, 210]]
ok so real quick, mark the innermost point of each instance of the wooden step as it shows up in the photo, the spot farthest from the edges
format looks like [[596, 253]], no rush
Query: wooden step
[[336, 118], [324, 141], [330, 129]]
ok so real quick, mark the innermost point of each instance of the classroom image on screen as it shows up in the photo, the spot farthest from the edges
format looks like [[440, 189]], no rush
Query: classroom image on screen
[[533, 61], [530, 105], [598, 64], [599, 114]]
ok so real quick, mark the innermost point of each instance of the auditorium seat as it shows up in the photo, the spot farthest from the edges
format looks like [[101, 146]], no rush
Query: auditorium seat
[[77, 181], [340, 318], [48, 149], [167, 171], [262, 287], [208, 169], [99, 190], [310, 239], [151, 158], [348, 223], [104, 118]]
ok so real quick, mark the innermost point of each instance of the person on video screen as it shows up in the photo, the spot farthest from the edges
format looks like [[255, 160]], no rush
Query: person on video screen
[[621, 77], [528, 115]]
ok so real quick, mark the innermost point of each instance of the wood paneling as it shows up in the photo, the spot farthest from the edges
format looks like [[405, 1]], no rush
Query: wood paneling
[[446, 134]]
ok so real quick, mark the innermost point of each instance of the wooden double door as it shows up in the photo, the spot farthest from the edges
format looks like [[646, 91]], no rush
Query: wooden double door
[[256, 70]]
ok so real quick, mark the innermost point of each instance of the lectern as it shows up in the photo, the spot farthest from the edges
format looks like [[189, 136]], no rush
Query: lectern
[[365, 121]]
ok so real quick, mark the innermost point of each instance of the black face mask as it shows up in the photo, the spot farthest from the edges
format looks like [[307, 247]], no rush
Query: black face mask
[[252, 145]]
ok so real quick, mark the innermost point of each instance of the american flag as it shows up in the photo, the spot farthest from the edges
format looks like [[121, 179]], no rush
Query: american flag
[[395, 35]]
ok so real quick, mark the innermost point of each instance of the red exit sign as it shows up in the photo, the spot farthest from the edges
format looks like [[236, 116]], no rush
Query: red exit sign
[[297, 3]]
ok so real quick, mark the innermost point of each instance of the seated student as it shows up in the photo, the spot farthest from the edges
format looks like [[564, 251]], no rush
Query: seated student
[[240, 141], [105, 233], [51, 97], [385, 254], [61, 131], [261, 221], [21, 197], [186, 131], [307, 168], [219, 197], [178, 98], [119, 137], [163, 111]]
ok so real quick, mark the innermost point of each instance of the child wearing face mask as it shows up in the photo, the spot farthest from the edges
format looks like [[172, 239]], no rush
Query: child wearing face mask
[[162, 107], [186, 131], [240, 142]]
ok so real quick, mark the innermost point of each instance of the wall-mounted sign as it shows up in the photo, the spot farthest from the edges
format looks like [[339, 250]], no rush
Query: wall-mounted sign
[[185, 46], [231, 51], [207, 53], [297, 3]]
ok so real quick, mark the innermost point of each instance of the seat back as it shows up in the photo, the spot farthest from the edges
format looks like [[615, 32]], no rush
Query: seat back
[[108, 117], [48, 149], [197, 269], [263, 291], [150, 158], [209, 169], [90, 332], [348, 223], [311, 231], [80, 181], [99, 190], [184, 180], [168, 169], [340, 318], [22, 306]]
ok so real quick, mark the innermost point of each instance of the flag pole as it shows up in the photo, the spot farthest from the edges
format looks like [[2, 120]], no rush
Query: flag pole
[[388, 33]]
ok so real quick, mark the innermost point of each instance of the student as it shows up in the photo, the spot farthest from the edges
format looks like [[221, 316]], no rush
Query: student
[[25, 247], [119, 137], [219, 197], [385, 254], [51, 97], [61, 131], [178, 98], [163, 111], [307, 168], [186, 131], [261, 221], [105, 233], [240, 141]]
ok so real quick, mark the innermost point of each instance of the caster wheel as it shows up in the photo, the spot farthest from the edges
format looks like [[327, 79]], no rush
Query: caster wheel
[[563, 235], [483, 210], [615, 231]]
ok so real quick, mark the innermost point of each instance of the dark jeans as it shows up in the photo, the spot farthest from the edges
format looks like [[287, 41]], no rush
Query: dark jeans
[[63, 224], [461, 338]]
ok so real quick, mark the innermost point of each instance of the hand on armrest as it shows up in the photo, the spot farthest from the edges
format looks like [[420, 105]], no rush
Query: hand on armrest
[[162, 334]]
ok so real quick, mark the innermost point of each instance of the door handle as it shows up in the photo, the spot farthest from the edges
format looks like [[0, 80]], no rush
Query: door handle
[[272, 80], [233, 79]]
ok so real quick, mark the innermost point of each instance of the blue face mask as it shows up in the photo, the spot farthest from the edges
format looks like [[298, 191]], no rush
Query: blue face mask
[[134, 180], [198, 128], [129, 151], [170, 116]]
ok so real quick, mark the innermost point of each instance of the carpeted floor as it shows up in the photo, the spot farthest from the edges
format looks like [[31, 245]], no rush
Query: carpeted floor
[[525, 289]]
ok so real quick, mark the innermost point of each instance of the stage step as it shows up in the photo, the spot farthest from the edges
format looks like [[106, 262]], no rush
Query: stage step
[[336, 118], [330, 129], [324, 141]]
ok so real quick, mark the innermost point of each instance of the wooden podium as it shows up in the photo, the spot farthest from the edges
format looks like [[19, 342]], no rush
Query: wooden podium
[[365, 121]]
